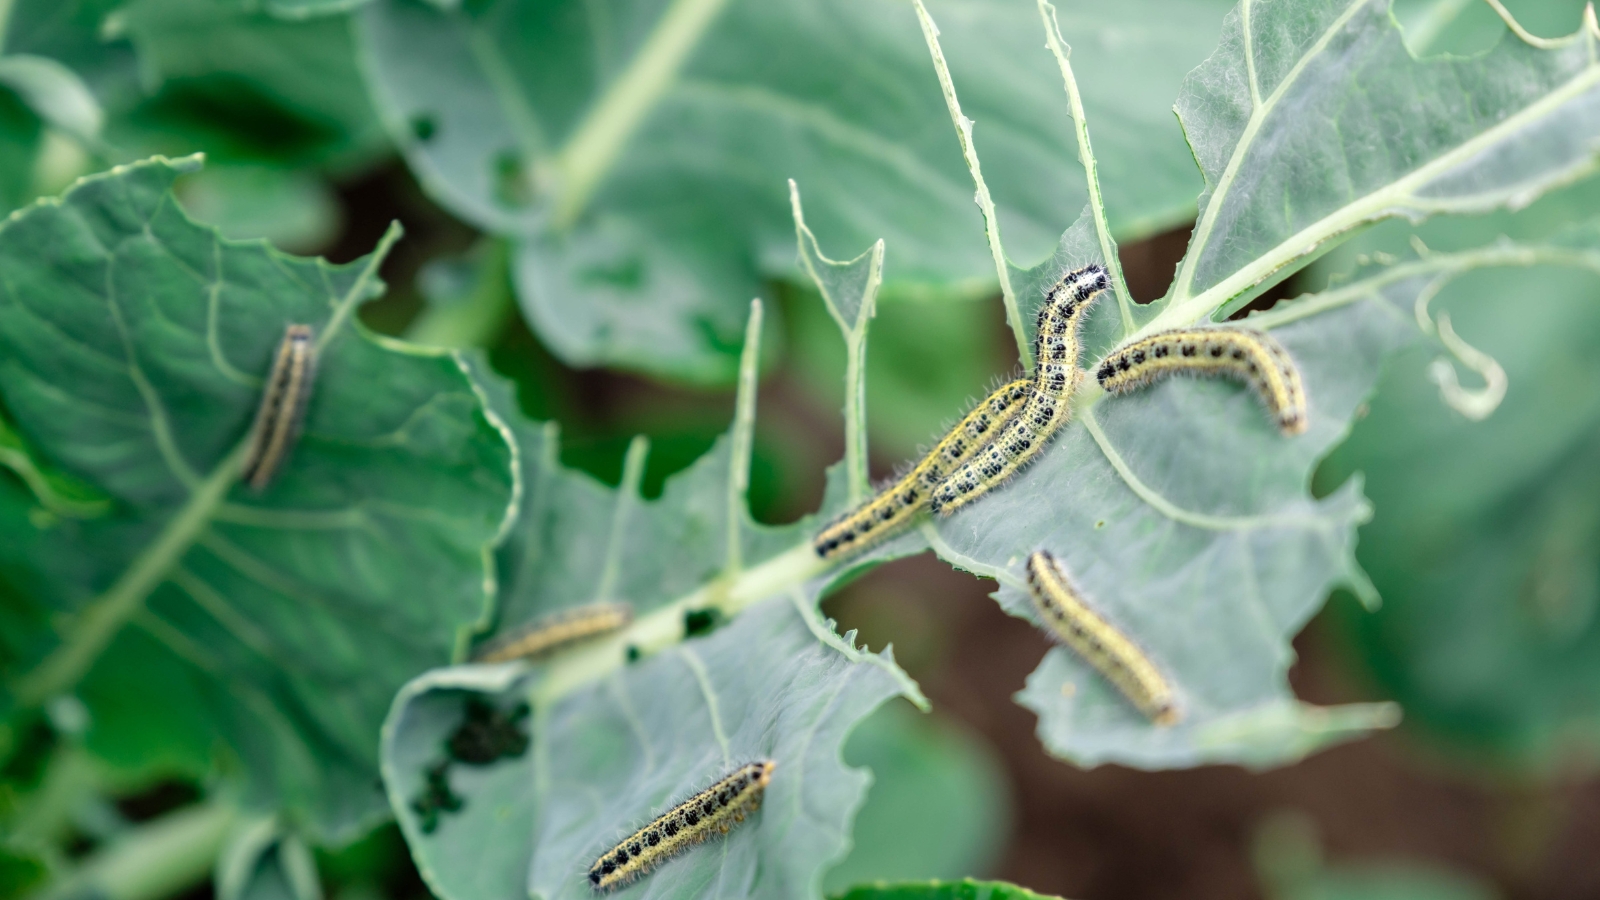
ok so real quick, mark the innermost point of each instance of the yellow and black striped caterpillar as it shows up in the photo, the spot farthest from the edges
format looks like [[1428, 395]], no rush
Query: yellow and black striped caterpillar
[[283, 406], [894, 507], [1250, 356], [555, 631], [710, 813], [1048, 404], [1102, 646]]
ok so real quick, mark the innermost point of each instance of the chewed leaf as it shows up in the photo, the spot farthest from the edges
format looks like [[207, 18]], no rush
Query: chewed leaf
[[1183, 515], [640, 156], [1291, 161], [134, 345], [607, 758]]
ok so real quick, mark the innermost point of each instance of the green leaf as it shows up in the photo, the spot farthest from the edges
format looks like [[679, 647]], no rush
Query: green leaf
[[1313, 119], [775, 683], [241, 85], [634, 720], [641, 156], [292, 208], [1180, 512], [937, 805], [1485, 551], [135, 344], [942, 890], [263, 861]]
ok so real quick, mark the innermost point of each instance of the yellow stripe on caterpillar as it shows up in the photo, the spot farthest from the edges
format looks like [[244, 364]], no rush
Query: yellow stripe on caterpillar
[[710, 813], [557, 630], [283, 406], [1102, 646], [895, 506], [1250, 356], [1048, 405]]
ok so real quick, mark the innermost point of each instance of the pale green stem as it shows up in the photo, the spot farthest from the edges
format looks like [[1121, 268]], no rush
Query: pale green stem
[[358, 290], [601, 136], [991, 219], [161, 858], [743, 440], [1447, 264], [663, 626], [855, 412], [1091, 169], [855, 340], [94, 627], [621, 514], [477, 320]]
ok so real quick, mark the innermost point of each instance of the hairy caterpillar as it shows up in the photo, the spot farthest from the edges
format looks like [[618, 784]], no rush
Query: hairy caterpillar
[[1105, 648], [554, 631], [1251, 356], [894, 506], [710, 813], [1048, 403], [283, 406]]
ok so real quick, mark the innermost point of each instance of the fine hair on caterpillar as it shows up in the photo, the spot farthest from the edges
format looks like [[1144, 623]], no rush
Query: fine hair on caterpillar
[[555, 631], [894, 507], [283, 406], [1115, 656], [709, 813], [1253, 357], [1048, 404]]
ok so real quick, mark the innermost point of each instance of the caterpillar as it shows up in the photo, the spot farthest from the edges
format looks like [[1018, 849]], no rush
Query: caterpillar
[[894, 506], [1102, 646], [283, 406], [1047, 406], [1250, 356], [710, 813], [554, 631]]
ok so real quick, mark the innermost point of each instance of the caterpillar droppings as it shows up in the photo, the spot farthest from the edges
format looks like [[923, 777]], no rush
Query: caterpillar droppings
[[283, 406], [894, 506], [554, 631], [710, 813], [1049, 396], [1250, 356], [1102, 646]]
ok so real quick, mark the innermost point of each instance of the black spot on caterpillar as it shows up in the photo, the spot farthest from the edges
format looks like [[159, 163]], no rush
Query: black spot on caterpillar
[[1102, 646], [1048, 403], [894, 507], [283, 406], [555, 631], [1250, 356], [710, 813], [486, 734]]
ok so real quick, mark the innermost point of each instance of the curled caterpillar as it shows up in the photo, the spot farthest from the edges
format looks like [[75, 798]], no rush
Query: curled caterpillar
[[894, 507], [710, 813], [1102, 646], [554, 631], [1047, 407], [283, 406], [1250, 356]]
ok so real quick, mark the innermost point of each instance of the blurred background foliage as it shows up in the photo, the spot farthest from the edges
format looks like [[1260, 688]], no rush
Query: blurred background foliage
[[324, 119]]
